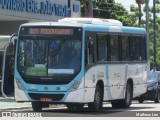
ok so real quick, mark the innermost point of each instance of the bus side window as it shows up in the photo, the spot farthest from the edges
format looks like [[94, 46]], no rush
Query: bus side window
[[143, 48], [101, 48], [125, 49], [114, 48], [136, 48]]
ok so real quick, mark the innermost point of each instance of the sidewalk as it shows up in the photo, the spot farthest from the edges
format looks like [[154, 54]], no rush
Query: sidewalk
[[10, 103]]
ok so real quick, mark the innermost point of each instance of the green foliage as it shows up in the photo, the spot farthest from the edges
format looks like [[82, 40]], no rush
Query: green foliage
[[151, 33], [110, 10]]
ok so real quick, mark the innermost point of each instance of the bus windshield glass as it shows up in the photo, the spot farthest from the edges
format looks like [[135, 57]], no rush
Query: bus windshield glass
[[51, 52]]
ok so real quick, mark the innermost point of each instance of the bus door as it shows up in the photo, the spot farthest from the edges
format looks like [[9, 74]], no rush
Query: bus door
[[89, 66]]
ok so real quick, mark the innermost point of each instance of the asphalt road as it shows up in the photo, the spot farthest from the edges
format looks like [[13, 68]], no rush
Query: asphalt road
[[146, 109]]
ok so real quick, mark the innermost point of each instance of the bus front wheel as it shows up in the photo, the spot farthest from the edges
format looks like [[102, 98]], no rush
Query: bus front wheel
[[97, 104], [37, 106]]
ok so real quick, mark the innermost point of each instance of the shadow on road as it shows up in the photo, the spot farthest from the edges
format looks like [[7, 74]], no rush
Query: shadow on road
[[106, 111]]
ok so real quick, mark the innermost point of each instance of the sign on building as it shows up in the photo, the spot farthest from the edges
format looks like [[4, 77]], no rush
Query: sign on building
[[39, 9]]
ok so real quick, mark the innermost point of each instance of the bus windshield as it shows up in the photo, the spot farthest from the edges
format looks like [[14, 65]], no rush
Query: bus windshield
[[49, 55]]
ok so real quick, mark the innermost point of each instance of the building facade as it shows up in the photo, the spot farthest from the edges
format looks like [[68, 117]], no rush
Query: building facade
[[13, 13]]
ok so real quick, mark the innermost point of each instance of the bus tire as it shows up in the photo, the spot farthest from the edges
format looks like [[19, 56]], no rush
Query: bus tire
[[140, 100], [125, 103], [37, 106], [128, 97], [72, 106], [116, 104], [97, 104], [157, 98]]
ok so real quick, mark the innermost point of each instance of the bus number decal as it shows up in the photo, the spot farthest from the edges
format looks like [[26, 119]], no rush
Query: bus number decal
[[58, 88]]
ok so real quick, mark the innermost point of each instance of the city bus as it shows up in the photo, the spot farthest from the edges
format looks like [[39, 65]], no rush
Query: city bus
[[7, 51], [80, 61]]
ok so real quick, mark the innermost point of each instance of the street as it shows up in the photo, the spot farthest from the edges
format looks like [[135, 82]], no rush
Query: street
[[146, 109]]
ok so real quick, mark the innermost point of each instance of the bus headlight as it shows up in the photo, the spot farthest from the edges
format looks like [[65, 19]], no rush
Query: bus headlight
[[75, 86], [19, 84]]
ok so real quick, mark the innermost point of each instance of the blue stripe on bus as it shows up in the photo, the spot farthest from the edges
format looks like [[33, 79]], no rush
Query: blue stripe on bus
[[97, 28], [108, 83], [103, 28], [133, 30]]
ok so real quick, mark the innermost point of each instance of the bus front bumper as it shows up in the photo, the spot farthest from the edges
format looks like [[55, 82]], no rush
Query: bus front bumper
[[59, 97]]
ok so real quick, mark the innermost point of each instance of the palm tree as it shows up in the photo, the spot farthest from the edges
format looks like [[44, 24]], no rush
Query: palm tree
[[139, 2]]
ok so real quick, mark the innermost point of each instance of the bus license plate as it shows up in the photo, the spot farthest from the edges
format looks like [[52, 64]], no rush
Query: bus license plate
[[45, 99]]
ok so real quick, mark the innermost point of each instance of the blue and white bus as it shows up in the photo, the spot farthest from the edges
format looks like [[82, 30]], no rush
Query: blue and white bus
[[79, 61]]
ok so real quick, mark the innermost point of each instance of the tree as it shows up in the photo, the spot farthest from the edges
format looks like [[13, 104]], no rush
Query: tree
[[110, 10]]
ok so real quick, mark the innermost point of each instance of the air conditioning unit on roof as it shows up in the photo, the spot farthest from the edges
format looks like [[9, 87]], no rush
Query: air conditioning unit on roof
[[97, 21]]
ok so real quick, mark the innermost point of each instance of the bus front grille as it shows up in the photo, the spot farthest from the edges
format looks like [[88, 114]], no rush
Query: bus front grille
[[54, 97]]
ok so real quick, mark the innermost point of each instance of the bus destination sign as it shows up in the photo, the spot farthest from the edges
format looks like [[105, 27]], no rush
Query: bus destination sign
[[50, 31]]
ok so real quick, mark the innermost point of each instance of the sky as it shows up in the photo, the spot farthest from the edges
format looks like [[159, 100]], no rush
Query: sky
[[127, 3]]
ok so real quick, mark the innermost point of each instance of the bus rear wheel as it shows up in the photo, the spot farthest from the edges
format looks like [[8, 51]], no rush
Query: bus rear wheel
[[128, 97], [97, 104], [125, 103], [37, 106]]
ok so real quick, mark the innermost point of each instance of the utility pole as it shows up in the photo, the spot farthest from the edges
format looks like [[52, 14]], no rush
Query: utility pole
[[154, 33], [139, 2], [147, 28], [90, 8], [69, 8]]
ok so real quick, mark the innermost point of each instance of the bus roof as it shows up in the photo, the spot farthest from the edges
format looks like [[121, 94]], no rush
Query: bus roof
[[52, 24], [79, 22], [4, 41], [92, 24]]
